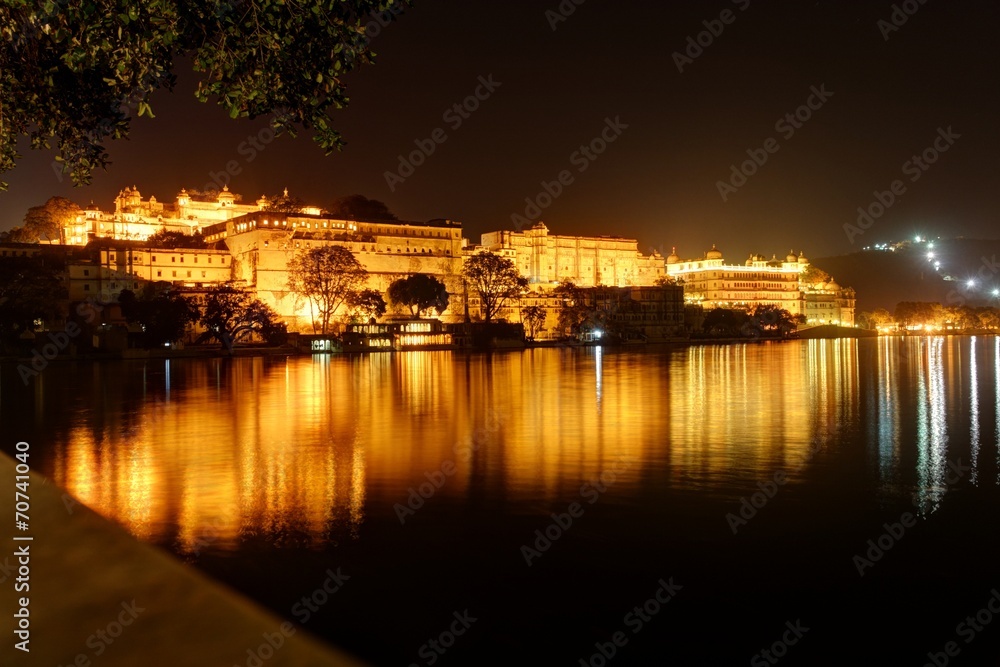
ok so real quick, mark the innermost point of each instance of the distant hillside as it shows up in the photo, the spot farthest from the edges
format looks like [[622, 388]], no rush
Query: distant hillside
[[883, 278]]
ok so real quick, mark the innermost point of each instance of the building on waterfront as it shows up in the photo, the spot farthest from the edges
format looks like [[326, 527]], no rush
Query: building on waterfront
[[647, 313], [104, 268], [586, 261], [252, 245], [262, 245], [784, 282]]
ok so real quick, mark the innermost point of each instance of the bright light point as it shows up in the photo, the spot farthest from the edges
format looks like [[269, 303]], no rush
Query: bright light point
[[918, 239], [971, 283], [930, 245], [996, 292], [930, 255]]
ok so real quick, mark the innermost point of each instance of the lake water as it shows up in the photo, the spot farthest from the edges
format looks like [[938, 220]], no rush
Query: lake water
[[739, 484]]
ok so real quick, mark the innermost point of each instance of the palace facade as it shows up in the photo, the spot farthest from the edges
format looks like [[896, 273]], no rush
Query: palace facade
[[136, 219], [711, 282], [252, 246], [262, 245], [586, 261]]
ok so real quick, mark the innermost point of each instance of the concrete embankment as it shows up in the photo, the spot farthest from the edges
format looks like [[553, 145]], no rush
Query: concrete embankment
[[95, 595]]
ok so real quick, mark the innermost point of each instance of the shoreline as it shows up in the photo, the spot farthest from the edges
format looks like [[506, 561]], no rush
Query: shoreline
[[240, 352]]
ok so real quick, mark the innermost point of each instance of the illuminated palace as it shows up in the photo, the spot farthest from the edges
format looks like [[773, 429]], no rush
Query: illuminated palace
[[586, 261], [786, 283], [136, 219], [250, 245], [263, 243]]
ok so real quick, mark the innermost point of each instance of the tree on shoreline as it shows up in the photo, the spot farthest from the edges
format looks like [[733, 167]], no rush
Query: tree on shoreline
[[327, 276], [164, 317], [496, 280], [367, 303], [31, 289], [534, 318], [419, 292], [232, 314]]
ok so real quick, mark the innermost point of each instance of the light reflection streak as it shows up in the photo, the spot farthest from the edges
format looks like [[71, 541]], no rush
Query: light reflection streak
[[973, 410], [887, 416], [598, 372], [933, 428]]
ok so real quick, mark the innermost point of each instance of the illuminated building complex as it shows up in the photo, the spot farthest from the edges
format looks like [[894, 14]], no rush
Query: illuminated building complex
[[586, 261], [252, 246], [712, 283]]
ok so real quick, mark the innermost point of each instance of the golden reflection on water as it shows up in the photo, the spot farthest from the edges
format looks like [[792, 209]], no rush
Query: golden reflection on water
[[209, 453]]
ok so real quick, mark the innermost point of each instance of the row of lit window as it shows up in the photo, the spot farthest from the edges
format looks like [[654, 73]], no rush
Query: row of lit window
[[418, 339], [159, 274]]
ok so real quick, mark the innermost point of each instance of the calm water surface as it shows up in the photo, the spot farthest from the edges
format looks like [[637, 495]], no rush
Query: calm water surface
[[425, 476]]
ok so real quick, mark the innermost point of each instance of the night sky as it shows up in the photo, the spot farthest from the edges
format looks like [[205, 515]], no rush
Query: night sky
[[658, 180]]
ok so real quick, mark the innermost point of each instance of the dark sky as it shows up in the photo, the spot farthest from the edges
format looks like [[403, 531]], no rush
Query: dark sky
[[658, 180]]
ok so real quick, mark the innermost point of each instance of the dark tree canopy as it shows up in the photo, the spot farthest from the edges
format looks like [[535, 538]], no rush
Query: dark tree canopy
[[284, 203], [232, 314], [496, 280], [419, 292], [167, 239], [164, 317], [359, 207], [31, 289], [533, 318], [327, 276], [71, 73], [368, 304]]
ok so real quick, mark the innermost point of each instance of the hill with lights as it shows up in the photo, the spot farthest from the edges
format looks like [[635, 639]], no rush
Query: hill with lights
[[952, 271]]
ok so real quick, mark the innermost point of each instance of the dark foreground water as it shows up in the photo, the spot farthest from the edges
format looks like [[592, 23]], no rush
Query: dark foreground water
[[829, 502]]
